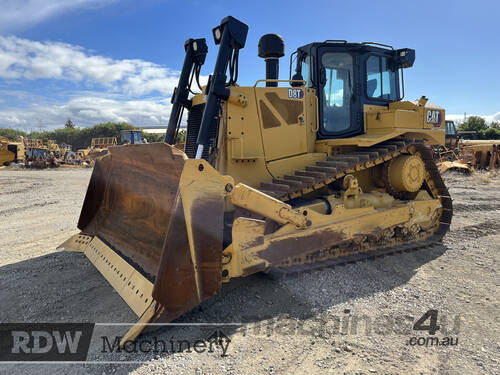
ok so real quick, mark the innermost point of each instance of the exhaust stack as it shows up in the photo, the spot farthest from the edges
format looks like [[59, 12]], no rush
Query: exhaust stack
[[271, 48]]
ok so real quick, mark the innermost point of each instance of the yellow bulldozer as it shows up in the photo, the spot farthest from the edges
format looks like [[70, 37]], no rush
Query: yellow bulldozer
[[11, 151], [330, 166]]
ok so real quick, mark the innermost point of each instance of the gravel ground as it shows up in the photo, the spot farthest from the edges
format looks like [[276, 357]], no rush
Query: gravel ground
[[355, 319]]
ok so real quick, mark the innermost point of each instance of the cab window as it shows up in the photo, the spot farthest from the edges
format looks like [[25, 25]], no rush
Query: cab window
[[337, 70], [305, 71], [380, 79]]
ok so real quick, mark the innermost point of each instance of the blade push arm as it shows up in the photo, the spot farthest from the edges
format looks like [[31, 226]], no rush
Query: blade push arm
[[196, 51], [231, 36], [253, 200]]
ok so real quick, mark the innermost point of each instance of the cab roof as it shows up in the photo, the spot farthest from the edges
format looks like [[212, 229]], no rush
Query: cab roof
[[351, 46]]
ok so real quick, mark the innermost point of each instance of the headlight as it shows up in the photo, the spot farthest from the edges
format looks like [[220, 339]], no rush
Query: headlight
[[217, 35]]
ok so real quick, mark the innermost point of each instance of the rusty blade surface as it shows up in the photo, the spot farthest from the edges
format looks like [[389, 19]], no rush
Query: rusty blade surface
[[190, 268], [130, 199]]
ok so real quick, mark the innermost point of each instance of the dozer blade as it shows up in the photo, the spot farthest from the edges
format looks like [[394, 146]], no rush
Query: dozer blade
[[152, 224]]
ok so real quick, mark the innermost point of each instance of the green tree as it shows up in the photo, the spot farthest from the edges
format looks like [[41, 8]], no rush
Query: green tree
[[490, 133], [153, 137], [181, 136], [473, 123], [11, 134], [160, 137], [495, 125], [69, 124]]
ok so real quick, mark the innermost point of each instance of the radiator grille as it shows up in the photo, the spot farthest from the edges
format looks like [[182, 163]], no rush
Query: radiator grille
[[193, 128]]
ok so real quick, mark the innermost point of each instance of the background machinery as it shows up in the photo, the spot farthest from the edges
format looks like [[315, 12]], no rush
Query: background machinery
[[447, 155], [451, 135], [6, 156], [132, 137], [333, 167], [483, 154], [465, 155], [98, 147], [11, 151]]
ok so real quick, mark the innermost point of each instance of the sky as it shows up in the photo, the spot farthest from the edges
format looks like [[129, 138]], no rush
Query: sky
[[118, 60]]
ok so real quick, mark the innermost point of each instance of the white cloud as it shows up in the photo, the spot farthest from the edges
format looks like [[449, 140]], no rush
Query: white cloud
[[23, 59], [460, 118], [105, 89], [85, 111], [17, 14]]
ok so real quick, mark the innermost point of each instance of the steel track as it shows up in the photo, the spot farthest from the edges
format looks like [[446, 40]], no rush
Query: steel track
[[324, 173]]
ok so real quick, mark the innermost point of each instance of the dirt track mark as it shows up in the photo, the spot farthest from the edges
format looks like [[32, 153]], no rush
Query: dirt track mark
[[459, 207], [23, 190], [20, 209], [476, 231]]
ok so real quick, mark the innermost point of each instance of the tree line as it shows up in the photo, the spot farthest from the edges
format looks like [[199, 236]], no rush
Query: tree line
[[476, 128], [80, 138]]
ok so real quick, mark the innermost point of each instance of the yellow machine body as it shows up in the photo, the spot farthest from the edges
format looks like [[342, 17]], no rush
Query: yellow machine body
[[285, 138], [153, 212], [6, 156]]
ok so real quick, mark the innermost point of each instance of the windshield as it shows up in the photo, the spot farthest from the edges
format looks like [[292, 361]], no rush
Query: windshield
[[337, 91], [380, 79]]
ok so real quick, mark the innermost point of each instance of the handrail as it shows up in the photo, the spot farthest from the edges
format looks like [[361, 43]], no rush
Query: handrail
[[291, 61], [316, 110], [335, 41], [279, 80], [378, 44]]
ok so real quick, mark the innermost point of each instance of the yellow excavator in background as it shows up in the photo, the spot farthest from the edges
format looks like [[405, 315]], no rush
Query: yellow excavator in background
[[331, 168]]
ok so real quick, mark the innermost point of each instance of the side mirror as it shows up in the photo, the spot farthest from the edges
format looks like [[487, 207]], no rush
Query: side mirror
[[297, 77], [405, 58]]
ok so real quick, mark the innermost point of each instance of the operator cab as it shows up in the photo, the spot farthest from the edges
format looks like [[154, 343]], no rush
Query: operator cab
[[348, 76]]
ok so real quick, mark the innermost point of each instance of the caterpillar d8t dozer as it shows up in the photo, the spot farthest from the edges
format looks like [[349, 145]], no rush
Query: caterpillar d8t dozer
[[330, 168]]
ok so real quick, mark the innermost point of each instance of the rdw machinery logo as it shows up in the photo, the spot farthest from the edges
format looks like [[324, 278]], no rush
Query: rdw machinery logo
[[45, 341]]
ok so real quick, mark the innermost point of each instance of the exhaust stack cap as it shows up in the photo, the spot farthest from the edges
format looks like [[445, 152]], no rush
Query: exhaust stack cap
[[271, 45], [271, 48]]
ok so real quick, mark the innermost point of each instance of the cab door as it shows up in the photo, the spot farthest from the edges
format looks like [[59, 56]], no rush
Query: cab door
[[340, 107]]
